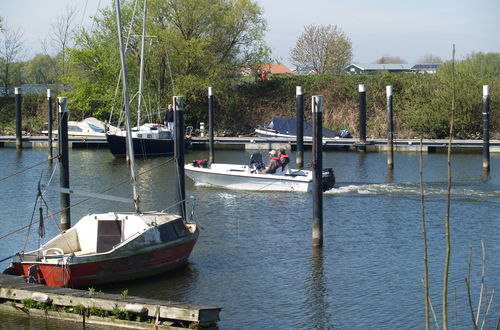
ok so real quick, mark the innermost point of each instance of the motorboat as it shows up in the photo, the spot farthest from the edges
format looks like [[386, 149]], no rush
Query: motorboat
[[88, 128], [111, 246], [287, 128], [247, 177]]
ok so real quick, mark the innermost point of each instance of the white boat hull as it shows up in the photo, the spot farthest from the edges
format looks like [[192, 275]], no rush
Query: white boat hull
[[239, 177]]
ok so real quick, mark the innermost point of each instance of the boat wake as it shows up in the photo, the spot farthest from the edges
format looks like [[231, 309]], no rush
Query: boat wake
[[410, 189]]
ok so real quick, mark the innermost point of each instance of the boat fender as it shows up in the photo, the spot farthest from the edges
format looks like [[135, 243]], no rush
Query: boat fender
[[41, 297], [136, 309]]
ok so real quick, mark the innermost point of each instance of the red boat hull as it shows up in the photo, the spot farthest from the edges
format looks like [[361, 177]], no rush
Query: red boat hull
[[109, 270]]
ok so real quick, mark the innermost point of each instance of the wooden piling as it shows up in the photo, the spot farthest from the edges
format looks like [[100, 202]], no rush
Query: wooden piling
[[362, 117], [390, 130], [211, 125], [19, 125], [179, 151], [486, 127], [64, 161], [317, 160], [299, 108], [49, 126]]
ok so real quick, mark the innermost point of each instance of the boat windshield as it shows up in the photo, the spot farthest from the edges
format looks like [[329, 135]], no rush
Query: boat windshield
[[95, 128]]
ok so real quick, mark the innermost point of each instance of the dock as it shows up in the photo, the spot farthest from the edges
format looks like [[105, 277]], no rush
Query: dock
[[258, 143], [88, 307]]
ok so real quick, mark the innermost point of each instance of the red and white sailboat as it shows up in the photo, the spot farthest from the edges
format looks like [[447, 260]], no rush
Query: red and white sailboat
[[113, 246]]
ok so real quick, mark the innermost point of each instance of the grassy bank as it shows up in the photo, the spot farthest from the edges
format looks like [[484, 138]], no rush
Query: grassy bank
[[421, 104]]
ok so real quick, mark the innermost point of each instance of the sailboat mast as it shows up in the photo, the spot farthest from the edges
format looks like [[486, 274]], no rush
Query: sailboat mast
[[130, 146], [141, 73]]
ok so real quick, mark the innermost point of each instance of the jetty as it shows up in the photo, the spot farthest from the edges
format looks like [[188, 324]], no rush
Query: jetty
[[258, 143], [90, 307]]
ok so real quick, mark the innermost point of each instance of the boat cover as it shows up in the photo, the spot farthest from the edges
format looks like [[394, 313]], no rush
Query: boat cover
[[289, 126]]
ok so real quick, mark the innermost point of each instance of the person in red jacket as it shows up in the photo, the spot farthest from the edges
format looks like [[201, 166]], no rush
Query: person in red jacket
[[284, 159], [274, 162]]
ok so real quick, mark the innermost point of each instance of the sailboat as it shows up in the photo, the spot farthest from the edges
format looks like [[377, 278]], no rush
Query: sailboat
[[148, 139], [113, 246]]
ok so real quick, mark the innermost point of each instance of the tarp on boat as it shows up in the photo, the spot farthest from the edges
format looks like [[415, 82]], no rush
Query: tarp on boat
[[289, 126]]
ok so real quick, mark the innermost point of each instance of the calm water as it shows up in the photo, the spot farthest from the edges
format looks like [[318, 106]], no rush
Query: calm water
[[254, 256]]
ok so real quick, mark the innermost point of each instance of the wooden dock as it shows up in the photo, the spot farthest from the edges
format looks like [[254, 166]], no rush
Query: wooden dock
[[102, 308], [257, 143]]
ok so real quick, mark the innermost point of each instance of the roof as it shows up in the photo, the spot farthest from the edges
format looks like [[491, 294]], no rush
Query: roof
[[426, 66], [275, 68], [381, 67]]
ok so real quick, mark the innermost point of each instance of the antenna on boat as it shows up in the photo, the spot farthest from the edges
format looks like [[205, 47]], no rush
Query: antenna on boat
[[130, 145]]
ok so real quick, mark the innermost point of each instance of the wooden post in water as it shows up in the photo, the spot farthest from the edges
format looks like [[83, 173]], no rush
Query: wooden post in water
[[19, 126], [486, 127], [64, 161], [390, 130], [362, 117], [317, 160], [178, 104], [299, 108], [49, 126], [211, 124]]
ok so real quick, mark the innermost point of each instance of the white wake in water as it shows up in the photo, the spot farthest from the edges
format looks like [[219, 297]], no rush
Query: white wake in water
[[408, 189]]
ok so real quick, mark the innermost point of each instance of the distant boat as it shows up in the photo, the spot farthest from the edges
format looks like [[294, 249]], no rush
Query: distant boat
[[287, 128], [89, 127], [149, 140], [246, 177], [113, 246]]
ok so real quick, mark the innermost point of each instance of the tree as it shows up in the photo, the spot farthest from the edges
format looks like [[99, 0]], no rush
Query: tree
[[11, 48], [61, 38], [430, 59], [326, 49], [386, 59], [40, 70], [195, 44]]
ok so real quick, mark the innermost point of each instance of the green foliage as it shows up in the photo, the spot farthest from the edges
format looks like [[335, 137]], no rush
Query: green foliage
[[125, 293]]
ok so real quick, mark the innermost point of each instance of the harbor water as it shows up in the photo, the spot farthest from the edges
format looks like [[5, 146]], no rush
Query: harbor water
[[254, 256]]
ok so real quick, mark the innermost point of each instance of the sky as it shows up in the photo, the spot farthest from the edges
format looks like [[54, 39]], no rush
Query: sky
[[401, 28]]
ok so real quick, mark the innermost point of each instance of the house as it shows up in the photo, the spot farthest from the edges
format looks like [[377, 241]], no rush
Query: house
[[426, 68], [305, 70], [388, 67], [374, 68], [269, 68], [275, 68]]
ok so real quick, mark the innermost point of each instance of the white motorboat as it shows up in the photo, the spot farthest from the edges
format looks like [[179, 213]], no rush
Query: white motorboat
[[89, 127], [245, 177]]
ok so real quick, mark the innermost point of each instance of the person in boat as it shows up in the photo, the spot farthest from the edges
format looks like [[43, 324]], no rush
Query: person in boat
[[284, 159], [274, 162], [170, 119]]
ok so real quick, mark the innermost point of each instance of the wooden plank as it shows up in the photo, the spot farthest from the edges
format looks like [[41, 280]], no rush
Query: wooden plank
[[13, 289]]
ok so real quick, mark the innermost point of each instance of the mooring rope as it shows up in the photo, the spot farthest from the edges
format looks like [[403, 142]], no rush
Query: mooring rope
[[84, 200], [27, 168]]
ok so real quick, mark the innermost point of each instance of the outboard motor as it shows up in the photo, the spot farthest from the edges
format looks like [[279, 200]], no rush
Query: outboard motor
[[256, 162], [328, 179]]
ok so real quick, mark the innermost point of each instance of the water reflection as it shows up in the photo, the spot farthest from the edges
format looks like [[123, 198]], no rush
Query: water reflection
[[316, 291]]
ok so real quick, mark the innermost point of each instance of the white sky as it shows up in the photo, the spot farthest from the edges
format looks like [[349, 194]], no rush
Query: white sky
[[403, 28]]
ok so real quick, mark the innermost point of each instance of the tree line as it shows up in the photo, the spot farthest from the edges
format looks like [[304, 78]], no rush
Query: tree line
[[193, 44]]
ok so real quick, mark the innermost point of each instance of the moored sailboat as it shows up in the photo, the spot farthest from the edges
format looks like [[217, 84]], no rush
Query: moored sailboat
[[113, 246]]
